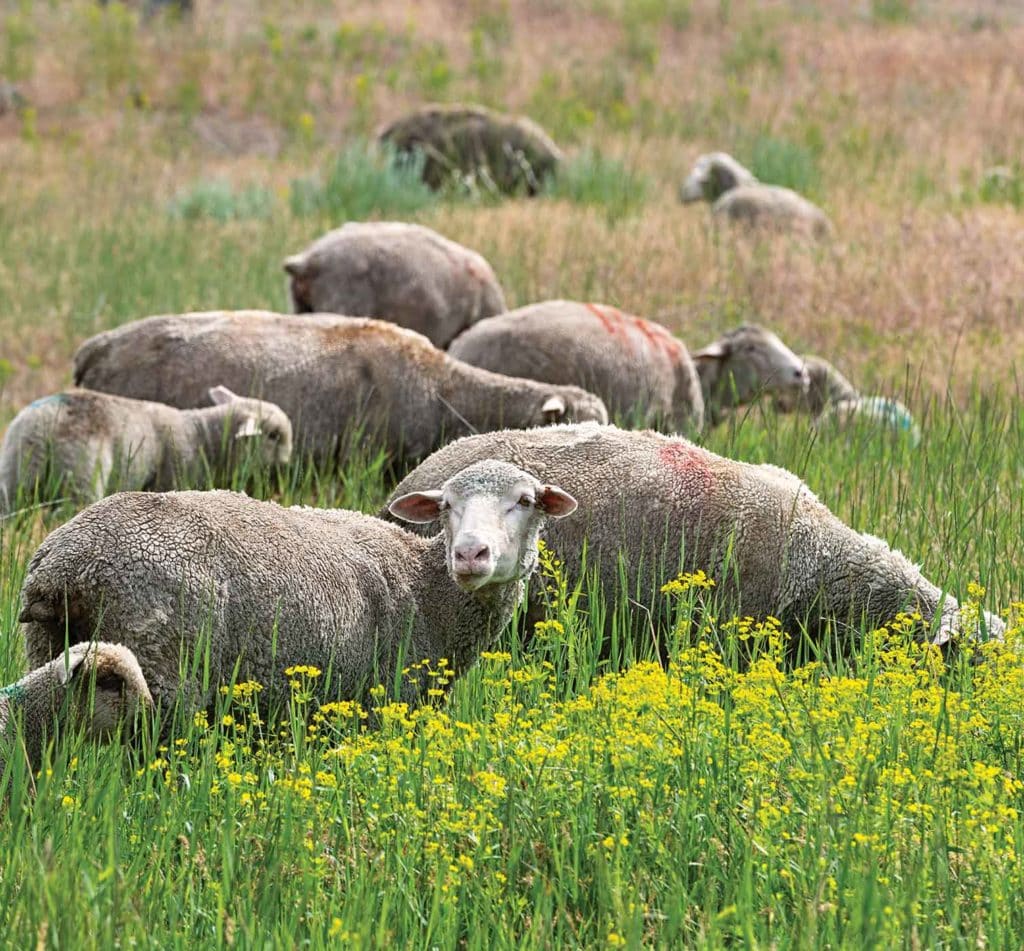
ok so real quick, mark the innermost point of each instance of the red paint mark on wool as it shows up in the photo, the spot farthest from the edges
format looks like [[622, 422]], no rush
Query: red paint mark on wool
[[659, 338], [610, 325], [689, 464]]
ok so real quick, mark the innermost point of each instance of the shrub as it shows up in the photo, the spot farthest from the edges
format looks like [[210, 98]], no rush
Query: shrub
[[217, 199], [364, 180], [593, 179], [782, 162]]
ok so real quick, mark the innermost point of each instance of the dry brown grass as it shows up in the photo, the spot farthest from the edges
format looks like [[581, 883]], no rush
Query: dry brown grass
[[897, 117]]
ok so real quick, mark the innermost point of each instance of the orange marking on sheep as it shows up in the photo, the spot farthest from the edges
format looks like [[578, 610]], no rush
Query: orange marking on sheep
[[659, 338], [689, 464], [606, 321]]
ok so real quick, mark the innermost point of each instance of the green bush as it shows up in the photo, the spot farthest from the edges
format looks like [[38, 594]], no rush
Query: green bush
[[364, 180], [217, 199], [593, 179], [782, 162]]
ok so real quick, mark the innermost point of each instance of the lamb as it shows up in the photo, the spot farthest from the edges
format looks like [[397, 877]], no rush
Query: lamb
[[89, 441], [404, 273], [203, 587], [737, 196], [832, 399], [653, 504], [331, 375], [99, 685], [638, 368], [471, 144], [744, 364]]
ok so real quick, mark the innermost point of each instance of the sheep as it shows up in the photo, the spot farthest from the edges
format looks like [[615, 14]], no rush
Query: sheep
[[331, 375], [471, 144], [637, 367], [89, 441], [99, 685], [743, 364], [736, 195], [832, 399], [203, 587], [390, 270], [653, 504]]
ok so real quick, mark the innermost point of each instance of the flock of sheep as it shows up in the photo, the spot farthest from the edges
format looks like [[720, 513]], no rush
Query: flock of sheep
[[499, 423]]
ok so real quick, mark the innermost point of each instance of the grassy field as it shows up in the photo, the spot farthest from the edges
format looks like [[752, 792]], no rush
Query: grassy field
[[875, 800]]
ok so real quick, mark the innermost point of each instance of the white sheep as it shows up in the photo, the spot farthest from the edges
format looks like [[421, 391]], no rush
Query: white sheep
[[743, 365], [405, 273], [737, 196], [651, 505], [333, 376], [97, 685], [82, 443], [637, 367], [832, 399], [248, 588]]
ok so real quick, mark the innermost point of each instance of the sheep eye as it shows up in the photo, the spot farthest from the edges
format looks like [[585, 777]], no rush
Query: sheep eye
[[525, 501]]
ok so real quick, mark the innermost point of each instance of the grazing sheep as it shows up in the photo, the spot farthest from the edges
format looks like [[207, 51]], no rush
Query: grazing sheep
[[96, 684], [510, 154], [651, 504], [833, 399], [89, 441], [744, 364], [637, 367], [217, 583], [393, 271], [331, 375], [738, 196]]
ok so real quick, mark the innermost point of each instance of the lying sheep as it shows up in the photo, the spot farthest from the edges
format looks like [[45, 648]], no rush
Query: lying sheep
[[204, 587], [90, 441], [404, 273], [833, 400], [510, 154], [744, 364], [652, 504], [736, 195], [332, 375], [637, 367], [97, 685]]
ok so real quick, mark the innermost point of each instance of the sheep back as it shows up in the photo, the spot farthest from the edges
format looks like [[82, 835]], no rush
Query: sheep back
[[404, 273], [640, 370]]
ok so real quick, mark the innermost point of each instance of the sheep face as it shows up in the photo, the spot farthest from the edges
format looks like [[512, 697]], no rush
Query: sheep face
[[258, 420], [751, 361], [491, 513], [570, 405], [712, 176]]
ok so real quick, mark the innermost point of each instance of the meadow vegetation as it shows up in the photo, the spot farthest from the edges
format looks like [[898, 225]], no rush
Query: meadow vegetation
[[561, 795]]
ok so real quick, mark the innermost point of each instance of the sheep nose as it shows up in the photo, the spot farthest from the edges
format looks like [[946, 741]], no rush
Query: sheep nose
[[472, 557]]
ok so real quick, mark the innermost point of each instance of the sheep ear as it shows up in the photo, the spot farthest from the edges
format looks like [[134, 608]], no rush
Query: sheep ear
[[553, 408], [295, 266], [713, 351], [219, 395], [417, 507], [249, 427], [69, 664], [555, 502]]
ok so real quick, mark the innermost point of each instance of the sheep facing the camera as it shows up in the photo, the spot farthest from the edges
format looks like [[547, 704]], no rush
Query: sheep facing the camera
[[82, 443], [332, 375], [637, 367], [390, 270], [744, 365], [832, 400], [204, 587], [651, 505], [97, 686], [737, 196]]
